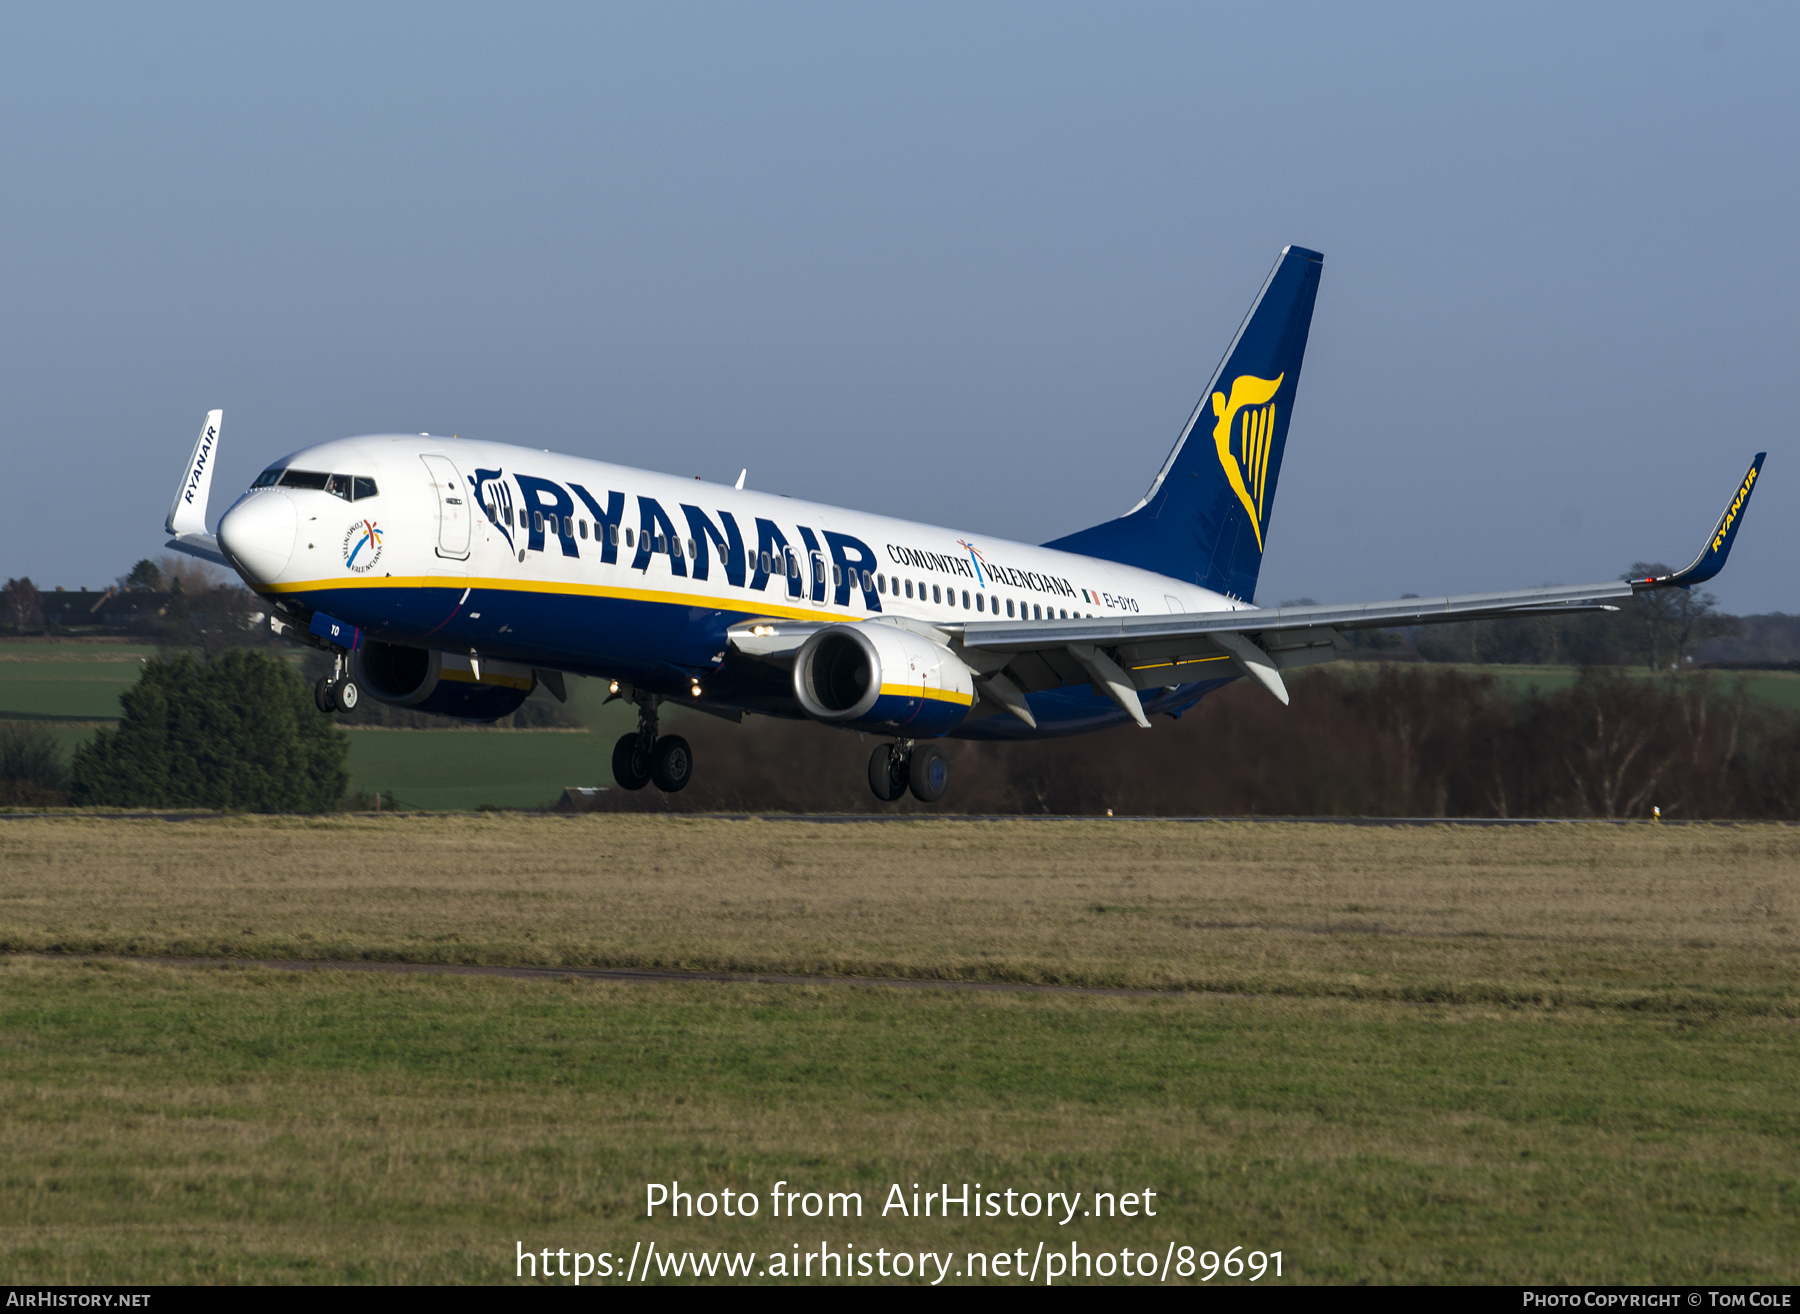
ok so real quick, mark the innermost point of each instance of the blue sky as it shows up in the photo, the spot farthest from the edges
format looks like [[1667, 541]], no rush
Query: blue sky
[[964, 263]]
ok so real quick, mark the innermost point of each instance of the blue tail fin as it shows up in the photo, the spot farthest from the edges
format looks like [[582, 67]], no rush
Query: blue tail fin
[[1207, 515]]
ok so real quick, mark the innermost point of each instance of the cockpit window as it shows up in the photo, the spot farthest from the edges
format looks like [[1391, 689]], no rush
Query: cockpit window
[[352, 488]]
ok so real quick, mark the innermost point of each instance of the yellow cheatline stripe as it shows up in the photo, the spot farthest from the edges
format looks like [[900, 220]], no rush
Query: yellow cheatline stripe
[[920, 691], [758, 605], [1186, 661]]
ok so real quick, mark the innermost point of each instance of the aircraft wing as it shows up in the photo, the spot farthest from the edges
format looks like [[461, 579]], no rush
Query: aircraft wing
[[1121, 656]]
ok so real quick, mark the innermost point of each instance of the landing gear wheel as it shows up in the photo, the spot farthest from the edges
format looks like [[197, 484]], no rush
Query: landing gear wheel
[[630, 768], [671, 764], [887, 772], [928, 774], [323, 697], [346, 695]]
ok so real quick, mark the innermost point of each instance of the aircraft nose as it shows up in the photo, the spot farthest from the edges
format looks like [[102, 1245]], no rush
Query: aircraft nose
[[258, 535]]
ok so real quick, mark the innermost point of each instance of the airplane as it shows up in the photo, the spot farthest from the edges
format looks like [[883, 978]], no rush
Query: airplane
[[455, 576]]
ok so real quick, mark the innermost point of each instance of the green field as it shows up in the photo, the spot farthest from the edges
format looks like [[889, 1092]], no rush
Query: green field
[[71, 687], [1562, 1054], [168, 1125], [74, 685], [69, 681], [1777, 688], [451, 770]]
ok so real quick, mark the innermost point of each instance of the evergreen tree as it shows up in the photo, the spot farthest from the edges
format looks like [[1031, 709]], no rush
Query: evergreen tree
[[240, 732], [144, 578]]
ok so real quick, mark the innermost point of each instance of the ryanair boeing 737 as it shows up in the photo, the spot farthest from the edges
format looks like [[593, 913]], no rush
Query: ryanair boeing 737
[[455, 576]]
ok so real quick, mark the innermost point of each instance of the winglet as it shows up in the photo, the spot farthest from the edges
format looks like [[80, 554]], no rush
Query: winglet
[[187, 514], [1718, 545]]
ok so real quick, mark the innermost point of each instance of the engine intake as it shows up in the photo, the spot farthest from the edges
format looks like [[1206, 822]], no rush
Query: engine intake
[[431, 680], [876, 676]]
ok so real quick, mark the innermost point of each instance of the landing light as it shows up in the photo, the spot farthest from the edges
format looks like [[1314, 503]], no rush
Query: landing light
[[695, 691], [613, 687], [762, 630]]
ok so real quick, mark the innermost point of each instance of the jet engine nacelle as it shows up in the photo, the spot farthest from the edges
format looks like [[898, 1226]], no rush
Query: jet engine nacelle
[[431, 680], [881, 677]]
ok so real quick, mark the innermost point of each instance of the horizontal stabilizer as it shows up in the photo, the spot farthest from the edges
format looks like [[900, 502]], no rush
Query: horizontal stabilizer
[[204, 546]]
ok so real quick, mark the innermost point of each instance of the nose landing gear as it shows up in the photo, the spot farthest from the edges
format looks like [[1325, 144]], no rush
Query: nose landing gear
[[642, 758], [337, 692], [897, 767]]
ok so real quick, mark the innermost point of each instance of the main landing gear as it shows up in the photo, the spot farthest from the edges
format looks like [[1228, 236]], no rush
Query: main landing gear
[[642, 758], [337, 692], [898, 767]]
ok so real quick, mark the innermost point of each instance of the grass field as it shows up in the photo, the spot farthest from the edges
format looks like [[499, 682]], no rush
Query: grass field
[[1776, 688], [70, 681], [74, 686], [458, 770], [1550, 1054]]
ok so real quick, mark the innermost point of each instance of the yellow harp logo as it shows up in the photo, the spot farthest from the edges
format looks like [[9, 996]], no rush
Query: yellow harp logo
[[1247, 422]]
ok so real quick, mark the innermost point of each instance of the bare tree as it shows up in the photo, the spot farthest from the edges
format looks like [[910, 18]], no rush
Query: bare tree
[[21, 604]]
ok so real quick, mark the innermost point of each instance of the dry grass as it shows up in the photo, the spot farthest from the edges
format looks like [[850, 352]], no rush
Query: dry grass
[[1693, 919]]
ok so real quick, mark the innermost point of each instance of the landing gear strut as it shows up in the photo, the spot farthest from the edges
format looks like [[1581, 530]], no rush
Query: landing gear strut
[[897, 767], [639, 759]]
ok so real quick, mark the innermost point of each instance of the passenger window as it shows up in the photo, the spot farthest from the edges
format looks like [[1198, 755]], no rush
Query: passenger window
[[837, 575], [537, 522], [629, 536], [793, 562], [965, 599], [866, 582], [612, 535], [909, 588], [1036, 612], [269, 478], [583, 528], [979, 604], [935, 597]]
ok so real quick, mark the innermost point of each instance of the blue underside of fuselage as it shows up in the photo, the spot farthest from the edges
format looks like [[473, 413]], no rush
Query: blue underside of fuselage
[[663, 648]]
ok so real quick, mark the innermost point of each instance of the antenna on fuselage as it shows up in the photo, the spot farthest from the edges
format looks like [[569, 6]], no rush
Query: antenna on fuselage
[[739, 485]]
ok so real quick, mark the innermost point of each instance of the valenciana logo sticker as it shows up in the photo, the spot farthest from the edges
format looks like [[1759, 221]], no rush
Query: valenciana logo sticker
[[362, 546]]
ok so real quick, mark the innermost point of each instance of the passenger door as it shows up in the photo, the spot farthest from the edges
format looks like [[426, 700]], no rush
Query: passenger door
[[453, 508]]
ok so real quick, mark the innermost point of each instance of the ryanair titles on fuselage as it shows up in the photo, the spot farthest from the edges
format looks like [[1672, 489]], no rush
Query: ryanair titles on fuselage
[[545, 502]]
